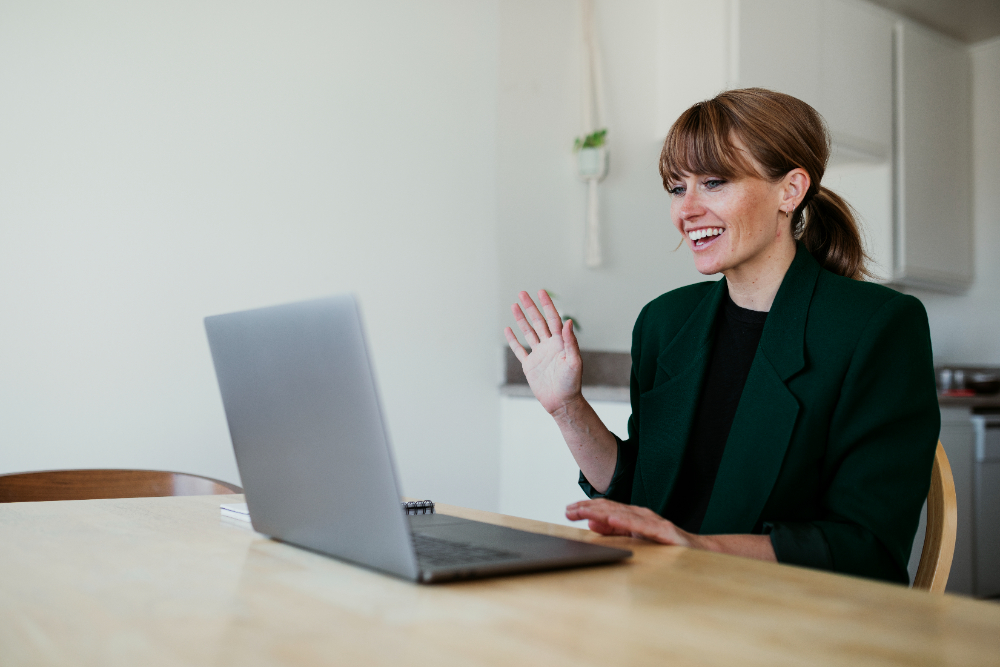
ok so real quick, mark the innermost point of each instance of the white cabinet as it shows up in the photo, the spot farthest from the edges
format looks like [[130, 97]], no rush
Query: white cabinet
[[867, 185], [896, 98], [856, 78], [776, 47], [538, 476], [933, 245], [834, 54], [837, 56]]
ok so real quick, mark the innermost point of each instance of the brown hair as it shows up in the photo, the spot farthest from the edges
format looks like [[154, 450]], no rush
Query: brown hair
[[781, 133]]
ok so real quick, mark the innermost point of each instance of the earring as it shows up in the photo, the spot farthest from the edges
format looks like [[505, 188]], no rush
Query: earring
[[787, 213]]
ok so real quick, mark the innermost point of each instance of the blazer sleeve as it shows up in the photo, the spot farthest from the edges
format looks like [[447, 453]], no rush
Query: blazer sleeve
[[880, 451], [620, 488]]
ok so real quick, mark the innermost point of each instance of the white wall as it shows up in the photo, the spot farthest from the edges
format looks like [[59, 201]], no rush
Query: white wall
[[541, 202], [162, 161], [966, 329]]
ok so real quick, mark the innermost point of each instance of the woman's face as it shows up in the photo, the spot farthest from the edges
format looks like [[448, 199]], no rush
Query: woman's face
[[729, 224]]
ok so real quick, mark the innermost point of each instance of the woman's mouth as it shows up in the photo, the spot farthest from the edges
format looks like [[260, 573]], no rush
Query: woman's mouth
[[705, 236]]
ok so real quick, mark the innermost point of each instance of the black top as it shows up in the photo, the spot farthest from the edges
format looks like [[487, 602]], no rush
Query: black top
[[737, 335]]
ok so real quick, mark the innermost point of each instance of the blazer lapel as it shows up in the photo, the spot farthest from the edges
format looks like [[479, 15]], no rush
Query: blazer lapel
[[765, 417], [668, 408]]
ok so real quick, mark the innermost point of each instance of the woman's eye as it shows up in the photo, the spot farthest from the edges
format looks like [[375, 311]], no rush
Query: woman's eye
[[676, 190], [713, 183]]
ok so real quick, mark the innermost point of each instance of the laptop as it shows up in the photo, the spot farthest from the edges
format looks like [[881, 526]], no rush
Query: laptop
[[314, 455]]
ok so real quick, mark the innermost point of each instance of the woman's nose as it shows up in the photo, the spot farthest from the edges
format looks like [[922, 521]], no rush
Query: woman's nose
[[690, 205]]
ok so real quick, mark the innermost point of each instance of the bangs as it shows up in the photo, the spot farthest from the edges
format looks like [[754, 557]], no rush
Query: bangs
[[700, 142]]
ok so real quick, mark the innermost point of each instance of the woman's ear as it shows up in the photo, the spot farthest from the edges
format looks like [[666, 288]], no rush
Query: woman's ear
[[795, 184]]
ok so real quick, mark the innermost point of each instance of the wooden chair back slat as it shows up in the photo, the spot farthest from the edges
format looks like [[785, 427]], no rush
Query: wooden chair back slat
[[94, 484], [942, 526]]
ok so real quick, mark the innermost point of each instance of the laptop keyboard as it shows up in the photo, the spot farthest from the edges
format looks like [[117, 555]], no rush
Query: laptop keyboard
[[434, 551]]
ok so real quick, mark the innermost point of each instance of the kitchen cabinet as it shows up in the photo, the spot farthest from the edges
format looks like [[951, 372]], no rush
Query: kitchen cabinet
[[856, 78], [896, 98], [986, 525], [834, 54], [837, 55], [538, 476], [934, 243], [776, 47]]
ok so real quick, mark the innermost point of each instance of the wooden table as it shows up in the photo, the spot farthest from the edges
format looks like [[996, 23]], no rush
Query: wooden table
[[167, 581]]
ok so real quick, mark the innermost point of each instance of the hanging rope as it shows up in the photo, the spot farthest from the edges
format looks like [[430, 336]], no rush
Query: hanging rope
[[592, 152]]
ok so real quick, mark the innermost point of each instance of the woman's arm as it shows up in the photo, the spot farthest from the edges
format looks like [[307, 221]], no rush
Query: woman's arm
[[593, 446], [610, 518], [554, 371]]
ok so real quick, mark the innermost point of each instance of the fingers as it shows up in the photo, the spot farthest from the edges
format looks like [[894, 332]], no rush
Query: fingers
[[515, 346], [551, 314], [591, 509], [537, 321], [648, 526], [610, 518], [605, 529], [570, 344], [524, 326], [633, 525]]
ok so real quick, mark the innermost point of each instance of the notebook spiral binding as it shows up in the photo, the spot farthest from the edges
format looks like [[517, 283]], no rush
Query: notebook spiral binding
[[418, 507]]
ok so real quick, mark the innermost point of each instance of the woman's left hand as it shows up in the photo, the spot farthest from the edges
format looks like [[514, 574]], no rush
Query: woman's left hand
[[608, 517]]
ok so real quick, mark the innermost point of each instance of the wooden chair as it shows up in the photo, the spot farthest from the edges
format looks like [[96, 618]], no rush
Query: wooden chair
[[93, 484], [942, 523]]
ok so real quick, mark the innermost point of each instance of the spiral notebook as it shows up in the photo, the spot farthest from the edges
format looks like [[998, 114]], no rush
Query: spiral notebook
[[411, 508]]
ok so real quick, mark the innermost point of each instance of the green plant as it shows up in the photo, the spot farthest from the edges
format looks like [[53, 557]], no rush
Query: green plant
[[592, 140]]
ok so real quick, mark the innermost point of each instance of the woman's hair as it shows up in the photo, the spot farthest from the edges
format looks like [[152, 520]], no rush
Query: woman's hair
[[780, 133]]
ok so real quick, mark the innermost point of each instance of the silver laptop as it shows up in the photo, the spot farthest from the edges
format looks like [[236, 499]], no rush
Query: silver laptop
[[314, 455]]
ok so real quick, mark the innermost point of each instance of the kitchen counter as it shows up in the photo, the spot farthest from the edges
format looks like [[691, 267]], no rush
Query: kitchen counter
[[974, 403], [605, 376], [977, 403], [590, 392]]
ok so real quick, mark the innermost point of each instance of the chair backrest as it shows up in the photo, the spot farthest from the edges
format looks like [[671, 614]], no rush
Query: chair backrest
[[93, 484], [942, 524]]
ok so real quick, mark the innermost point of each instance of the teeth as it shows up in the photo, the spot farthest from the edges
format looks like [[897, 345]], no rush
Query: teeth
[[702, 233]]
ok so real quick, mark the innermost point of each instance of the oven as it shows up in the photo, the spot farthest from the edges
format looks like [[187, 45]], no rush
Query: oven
[[986, 506]]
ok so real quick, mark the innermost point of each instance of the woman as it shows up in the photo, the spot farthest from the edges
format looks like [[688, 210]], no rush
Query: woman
[[786, 412]]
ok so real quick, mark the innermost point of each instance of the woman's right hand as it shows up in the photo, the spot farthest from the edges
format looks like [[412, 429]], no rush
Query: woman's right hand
[[553, 367]]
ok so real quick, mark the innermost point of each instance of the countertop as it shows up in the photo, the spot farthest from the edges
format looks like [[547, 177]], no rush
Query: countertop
[[979, 403], [606, 378], [975, 403]]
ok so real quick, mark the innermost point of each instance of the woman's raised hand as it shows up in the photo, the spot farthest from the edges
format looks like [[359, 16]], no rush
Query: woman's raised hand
[[553, 366]]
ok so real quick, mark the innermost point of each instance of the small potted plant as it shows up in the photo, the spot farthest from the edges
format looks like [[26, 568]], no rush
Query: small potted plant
[[592, 155]]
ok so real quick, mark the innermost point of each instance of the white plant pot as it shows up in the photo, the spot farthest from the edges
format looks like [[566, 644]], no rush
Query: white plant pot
[[592, 163]]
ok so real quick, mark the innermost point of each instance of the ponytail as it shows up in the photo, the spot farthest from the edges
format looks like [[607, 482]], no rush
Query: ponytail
[[828, 230]]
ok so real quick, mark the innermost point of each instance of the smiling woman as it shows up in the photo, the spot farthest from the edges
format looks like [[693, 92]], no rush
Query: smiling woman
[[785, 412]]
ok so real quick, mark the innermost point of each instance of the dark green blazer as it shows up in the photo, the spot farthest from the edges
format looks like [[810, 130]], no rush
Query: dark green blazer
[[833, 441]]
